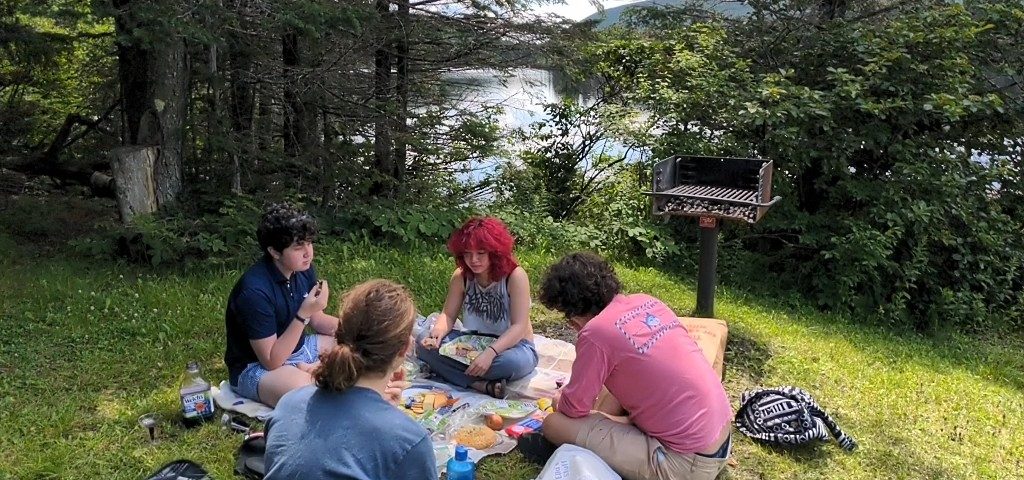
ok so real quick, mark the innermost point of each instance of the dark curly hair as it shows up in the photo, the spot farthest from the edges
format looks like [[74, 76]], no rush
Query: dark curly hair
[[579, 284], [282, 225]]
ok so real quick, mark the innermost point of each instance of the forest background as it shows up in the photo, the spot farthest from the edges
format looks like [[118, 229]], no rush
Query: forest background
[[895, 128]]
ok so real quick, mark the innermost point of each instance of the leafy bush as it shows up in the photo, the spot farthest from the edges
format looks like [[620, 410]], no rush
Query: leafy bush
[[877, 125], [546, 235], [401, 223], [914, 252], [623, 215], [223, 234]]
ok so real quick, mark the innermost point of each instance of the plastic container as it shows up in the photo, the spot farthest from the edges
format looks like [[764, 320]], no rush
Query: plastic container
[[460, 467], [196, 397], [533, 423]]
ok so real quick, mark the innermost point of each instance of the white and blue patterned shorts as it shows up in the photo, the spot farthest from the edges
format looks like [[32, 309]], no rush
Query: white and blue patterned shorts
[[249, 379]]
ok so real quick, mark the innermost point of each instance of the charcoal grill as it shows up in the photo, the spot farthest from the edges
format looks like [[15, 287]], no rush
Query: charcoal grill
[[713, 189]]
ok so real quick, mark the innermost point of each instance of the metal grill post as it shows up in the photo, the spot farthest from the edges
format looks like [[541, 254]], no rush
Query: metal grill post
[[706, 278]]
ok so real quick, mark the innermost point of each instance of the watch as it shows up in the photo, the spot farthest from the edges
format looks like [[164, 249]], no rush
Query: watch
[[305, 321]]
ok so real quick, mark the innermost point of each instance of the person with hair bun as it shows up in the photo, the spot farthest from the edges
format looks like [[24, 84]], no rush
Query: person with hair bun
[[493, 294], [346, 425]]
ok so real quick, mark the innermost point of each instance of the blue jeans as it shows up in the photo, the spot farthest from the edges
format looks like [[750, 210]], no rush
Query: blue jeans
[[512, 364]]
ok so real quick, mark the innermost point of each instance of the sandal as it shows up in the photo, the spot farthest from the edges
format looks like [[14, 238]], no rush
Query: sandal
[[497, 388], [535, 447]]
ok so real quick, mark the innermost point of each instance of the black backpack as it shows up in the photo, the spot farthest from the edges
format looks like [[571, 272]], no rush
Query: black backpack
[[249, 462], [787, 416], [180, 470]]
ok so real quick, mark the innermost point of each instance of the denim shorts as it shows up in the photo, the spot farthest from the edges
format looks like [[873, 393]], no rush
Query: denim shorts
[[249, 379]]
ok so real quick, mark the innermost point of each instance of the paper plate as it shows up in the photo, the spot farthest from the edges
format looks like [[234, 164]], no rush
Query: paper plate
[[466, 348]]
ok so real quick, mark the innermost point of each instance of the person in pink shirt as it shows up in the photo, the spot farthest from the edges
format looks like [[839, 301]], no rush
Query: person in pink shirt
[[667, 415]]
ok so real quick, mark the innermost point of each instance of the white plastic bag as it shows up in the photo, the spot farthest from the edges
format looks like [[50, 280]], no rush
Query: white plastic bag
[[423, 324], [570, 462]]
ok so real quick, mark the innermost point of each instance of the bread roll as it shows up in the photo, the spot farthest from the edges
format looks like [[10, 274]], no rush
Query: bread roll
[[476, 436]]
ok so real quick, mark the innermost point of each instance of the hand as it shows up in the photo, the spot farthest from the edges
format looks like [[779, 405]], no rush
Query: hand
[[482, 363], [306, 367], [433, 339], [316, 300], [393, 389]]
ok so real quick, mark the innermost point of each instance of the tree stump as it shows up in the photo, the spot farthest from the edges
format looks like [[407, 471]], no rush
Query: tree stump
[[133, 169]]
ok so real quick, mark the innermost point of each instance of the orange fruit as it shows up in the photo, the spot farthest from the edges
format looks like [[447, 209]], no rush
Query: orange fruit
[[494, 421]]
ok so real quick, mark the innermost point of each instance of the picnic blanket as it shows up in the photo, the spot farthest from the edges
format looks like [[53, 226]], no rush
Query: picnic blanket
[[554, 367], [227, 399], [553, 370]]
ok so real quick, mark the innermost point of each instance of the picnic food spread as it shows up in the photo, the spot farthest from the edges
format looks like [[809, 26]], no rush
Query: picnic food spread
[[466, 348], [476, 436], [428, 401]]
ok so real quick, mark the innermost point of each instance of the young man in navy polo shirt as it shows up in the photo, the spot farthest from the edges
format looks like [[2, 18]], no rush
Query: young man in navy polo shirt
[[268, 352]]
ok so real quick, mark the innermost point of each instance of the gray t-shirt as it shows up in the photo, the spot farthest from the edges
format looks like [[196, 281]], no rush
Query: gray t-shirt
[[355, 434], [487, 310]]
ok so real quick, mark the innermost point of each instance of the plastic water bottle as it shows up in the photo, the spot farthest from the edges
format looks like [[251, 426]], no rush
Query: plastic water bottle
[[460, 467], [196, 397]]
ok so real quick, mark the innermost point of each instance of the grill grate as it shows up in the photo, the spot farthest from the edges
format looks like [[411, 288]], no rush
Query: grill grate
[[699, 192], [724, 187]]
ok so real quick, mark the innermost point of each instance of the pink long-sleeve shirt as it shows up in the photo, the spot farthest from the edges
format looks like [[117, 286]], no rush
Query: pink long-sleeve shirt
[[637, 348]]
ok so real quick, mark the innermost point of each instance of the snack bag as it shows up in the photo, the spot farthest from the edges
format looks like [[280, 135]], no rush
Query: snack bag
[[507, 408]]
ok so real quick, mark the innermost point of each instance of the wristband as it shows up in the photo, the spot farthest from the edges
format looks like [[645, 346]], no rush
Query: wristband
[[493, 350]]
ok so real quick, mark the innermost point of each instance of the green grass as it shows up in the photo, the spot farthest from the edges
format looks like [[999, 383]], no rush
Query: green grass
[[88, 346]]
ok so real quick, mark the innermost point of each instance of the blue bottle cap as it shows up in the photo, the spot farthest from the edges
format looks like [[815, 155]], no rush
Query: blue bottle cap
[[461, 453]]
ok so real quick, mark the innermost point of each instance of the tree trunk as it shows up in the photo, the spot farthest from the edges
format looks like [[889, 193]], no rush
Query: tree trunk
[[154, 78], [382, 141], [292, 106], [302, 127], [829, 10], [401, 127], [243, 99], [135, 180], [214, 134], [263, 123]]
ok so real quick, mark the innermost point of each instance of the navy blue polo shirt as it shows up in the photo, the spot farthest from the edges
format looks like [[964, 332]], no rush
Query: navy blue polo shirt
[[262, 303]]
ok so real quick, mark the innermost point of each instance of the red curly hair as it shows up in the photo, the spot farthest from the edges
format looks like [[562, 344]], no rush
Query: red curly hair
[[488, 234]]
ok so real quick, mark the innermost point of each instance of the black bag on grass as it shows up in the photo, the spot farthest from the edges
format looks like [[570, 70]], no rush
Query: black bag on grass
[[787, 416], [180, 470], [250, 459]]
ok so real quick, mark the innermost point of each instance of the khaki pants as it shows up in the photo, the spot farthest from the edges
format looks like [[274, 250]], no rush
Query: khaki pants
[[637, 456]]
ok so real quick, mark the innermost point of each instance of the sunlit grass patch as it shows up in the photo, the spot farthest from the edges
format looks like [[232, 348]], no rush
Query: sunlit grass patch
[[88, 346]]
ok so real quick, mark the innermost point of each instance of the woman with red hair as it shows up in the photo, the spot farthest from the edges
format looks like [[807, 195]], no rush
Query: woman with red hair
[[493, 294]]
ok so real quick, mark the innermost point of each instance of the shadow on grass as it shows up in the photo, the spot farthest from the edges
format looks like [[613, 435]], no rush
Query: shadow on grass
[[746, 357]]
